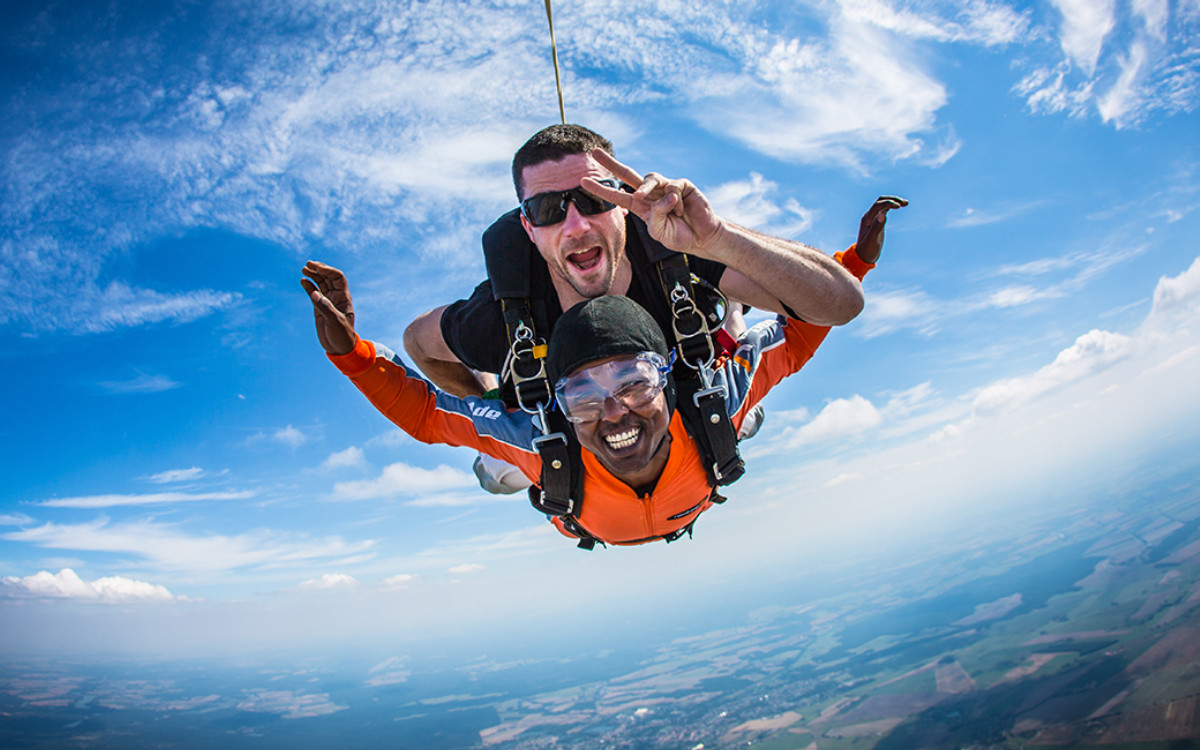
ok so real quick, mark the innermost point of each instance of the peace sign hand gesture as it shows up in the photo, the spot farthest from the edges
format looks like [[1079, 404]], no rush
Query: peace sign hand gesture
[[676, 212]]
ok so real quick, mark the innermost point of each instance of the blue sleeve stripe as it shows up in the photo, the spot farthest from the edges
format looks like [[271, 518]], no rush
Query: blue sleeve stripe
[[488, 419]]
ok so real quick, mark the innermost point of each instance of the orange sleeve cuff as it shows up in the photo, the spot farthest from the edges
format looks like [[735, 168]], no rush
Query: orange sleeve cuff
[[852, 263], [357, 361]]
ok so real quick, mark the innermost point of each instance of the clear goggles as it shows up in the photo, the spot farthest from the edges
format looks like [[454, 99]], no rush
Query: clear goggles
[[631, 381]]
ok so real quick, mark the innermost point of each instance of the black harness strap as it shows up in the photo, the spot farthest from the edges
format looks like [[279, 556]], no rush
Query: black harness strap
[[510, 273], [709, 423], [717, 428], [571, 472]]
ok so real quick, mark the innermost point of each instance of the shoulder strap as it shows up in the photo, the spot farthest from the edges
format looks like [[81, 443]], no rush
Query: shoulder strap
[[702, 407], [509, 255]]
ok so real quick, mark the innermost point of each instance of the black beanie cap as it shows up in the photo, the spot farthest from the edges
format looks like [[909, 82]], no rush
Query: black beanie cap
[[598, 328]]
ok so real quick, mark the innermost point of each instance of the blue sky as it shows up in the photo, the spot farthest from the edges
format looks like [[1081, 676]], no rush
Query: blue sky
[[177, 449]]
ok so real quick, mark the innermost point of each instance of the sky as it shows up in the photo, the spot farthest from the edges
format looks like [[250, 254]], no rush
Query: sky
[[184, 467]]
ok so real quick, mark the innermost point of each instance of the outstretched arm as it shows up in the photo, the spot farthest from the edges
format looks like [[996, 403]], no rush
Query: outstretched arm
[[401, 395], [803, 338], [767, 272]]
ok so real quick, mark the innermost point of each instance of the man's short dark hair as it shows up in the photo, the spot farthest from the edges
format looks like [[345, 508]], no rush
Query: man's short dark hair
[[554, 144]]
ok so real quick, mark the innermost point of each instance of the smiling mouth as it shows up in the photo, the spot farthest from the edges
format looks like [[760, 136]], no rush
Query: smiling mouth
[[622, 440], [585, 260]]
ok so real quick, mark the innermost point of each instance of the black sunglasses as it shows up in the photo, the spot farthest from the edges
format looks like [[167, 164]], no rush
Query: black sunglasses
[[545, 209]]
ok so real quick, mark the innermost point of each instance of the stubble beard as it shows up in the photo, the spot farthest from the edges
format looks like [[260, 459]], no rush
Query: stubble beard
[[608, 254]]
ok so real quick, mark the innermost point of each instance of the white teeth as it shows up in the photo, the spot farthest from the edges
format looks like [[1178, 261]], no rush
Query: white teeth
[[623, 439]]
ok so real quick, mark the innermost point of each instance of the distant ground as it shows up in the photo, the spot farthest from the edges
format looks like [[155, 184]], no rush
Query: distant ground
[[1083, 631]]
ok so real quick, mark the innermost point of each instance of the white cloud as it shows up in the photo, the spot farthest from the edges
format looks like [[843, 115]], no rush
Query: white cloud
[[120, 306], [1154, 15], [401, 479], [143, 383], [66, 584], [157, 498], [839, 419], [1125, 94], [749, 203], [842, 479], [352, 456], [177, 475], [289, 436], [1015, 296], [906, 401], [791, 101], [1046, 90], [472, 496], [1085, 25], [1125, 60], [852, 91], [1090, 353], [398, 581], [1176, 298], [466, 569], [972, 217], [784, 416], [890, 311], [330, 581], [14, 519], [165, 547], [1036, 267], [975, 21]]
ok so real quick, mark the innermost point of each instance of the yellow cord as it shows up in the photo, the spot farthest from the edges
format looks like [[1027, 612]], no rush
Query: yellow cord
[[562, 112]]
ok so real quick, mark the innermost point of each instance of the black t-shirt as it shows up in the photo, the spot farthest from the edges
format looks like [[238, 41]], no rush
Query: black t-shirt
[[473, 328]]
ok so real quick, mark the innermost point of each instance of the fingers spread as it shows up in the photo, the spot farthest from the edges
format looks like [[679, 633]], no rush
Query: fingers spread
[[604, 192], [622, 172]]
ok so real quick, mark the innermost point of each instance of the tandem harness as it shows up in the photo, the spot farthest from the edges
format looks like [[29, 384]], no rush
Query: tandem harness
[[702, 406]]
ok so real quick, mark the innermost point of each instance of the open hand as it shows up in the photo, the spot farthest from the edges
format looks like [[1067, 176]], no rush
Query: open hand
[[870, 229], [676, 212], [332, 307]]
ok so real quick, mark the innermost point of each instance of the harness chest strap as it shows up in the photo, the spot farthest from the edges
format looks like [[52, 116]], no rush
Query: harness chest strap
[[696, 346]]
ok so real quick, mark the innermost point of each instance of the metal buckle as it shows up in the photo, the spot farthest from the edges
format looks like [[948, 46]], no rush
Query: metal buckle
[[522, 347]]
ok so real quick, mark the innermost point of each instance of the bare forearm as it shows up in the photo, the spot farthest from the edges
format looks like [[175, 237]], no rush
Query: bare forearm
[[427, 350], [771, 272], [452, 377]]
